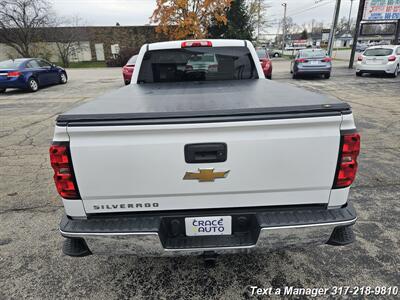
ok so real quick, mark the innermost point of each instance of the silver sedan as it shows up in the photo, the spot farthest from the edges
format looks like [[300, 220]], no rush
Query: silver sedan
[[311, 62]]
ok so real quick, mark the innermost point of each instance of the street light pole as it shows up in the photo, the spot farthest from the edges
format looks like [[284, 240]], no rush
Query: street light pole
[[333, 27], [284, 27], [351, 8]]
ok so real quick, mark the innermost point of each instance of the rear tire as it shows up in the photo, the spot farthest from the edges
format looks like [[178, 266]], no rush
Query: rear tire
[[396, 72], [269, 77], [127, 82], [276, 54], [327, 76], [294, 75], [359, 74], [2, 91], [63, 78], [33, 85]]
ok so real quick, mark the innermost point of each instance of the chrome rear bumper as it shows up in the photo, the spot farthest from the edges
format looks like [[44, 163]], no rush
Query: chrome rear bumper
[[153, 243]]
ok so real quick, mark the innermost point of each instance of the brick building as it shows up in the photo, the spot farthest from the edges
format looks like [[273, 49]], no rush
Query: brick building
[[93, 43]]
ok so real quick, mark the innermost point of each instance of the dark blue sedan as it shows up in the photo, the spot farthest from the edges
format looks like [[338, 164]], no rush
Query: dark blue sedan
[[29, 74]]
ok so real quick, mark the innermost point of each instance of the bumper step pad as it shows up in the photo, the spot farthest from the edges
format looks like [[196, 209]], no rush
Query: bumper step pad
[[75, 247], [342, 236]]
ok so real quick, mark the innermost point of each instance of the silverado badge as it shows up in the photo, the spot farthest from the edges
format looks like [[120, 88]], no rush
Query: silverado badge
[[205, 175]]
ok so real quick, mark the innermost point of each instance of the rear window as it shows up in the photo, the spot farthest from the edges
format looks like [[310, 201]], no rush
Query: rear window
[[312, 53], [378, 52], [132, 60], [10, 64], [262, 54], [197, 64]]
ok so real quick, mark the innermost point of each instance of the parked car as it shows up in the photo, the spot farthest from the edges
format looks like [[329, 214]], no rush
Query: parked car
[[30, 74], [266, 62], [274, 53], [379, 60], [170, 165], [361, 47], [311, 62], [207, 63], [128, 69]]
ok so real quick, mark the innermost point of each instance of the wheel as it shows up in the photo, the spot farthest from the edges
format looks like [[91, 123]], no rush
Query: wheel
[[2, 91], [359, 74], [127, 82], [63, 78], [294, 75], [327, 76], [396, 72], [33, 85], [269, 77], [276, 54]]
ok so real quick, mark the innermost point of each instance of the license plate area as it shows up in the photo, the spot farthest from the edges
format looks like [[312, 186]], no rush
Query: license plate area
[[244, 232], [200, 226], [374, 61]]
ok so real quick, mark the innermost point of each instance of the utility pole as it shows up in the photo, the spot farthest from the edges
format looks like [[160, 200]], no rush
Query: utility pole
[[284, 27], [356, 33], [351, 8], [333, 27], [397, 34], [258, 21]]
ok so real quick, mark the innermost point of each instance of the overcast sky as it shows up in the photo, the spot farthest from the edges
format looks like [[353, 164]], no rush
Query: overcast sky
[[137, 12]]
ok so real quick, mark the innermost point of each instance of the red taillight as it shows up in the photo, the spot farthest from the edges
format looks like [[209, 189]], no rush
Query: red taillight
[[196, 44], [301, 60], [63, 171], [14, 74], [327, 59], [391, 58], [360, 58], [128, 69], [347, 164]]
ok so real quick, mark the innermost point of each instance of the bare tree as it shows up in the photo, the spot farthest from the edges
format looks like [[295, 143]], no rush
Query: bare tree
[[19, 21], [344, 25], [258, 15], [292, 27], [67, 34]]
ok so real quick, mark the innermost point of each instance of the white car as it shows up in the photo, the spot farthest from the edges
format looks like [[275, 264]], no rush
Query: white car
[[379, 60], [202, 63]]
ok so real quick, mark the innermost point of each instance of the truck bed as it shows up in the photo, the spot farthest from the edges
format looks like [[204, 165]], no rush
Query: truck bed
[[189, 102]]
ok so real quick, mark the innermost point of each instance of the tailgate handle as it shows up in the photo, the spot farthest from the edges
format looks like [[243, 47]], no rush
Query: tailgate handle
[[206, 153]]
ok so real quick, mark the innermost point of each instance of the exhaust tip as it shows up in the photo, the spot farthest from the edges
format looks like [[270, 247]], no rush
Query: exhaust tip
[[342, 236], [75, 247]]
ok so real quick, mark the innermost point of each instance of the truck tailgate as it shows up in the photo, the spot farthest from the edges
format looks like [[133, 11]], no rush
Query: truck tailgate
[[141, 167]]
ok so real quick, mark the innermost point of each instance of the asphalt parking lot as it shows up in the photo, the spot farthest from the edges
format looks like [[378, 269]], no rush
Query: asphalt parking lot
[[31, 262]]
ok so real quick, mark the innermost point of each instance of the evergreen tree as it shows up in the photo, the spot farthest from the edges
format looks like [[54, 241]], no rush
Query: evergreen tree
[[304, 34], [238, 25]]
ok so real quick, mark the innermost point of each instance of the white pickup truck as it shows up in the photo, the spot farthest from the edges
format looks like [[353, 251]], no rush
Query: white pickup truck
[[202, 155]]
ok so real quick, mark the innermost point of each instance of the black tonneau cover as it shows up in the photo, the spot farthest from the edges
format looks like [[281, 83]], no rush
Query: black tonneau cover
[[191, 102]]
